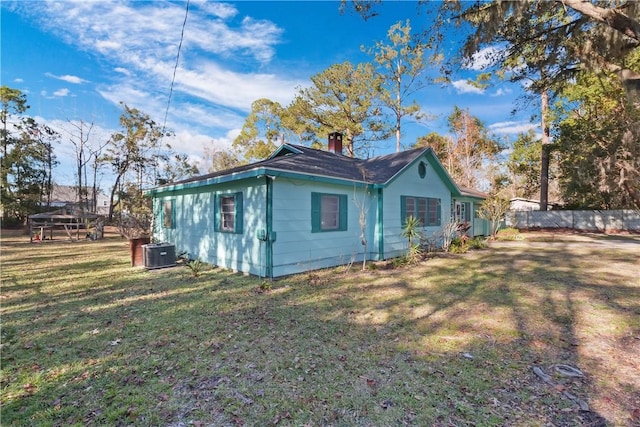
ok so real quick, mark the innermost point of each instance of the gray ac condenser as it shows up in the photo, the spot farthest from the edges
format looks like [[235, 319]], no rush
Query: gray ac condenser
[[159, 255]]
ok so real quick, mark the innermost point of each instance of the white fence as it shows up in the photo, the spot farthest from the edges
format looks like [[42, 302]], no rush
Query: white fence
[[603, 221]]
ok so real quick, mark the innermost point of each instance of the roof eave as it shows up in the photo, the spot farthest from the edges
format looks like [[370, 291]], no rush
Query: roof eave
[[254, 173]]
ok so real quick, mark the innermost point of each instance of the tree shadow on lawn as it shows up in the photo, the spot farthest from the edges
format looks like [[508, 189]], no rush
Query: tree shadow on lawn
[[584, 312], [451, 341]]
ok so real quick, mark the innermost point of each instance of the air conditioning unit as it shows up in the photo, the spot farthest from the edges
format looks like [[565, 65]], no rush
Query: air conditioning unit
[[159, 255]]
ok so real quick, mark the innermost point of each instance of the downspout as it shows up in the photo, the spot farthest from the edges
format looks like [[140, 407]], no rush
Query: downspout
[[380, 227], [269, 225]]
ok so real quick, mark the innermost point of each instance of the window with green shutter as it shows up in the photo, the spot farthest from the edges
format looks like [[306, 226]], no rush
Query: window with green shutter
[[167, 214], [229, 213], [328, 212], [426, 209]]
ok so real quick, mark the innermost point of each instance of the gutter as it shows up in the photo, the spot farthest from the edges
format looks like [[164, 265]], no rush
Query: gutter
[[254, 173]]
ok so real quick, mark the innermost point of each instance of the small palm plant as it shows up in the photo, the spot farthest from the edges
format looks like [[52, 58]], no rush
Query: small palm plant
[[195, 265], [411, 231]]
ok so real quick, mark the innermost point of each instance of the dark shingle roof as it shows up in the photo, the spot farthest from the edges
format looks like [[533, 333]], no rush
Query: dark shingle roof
[[470, 192], [310, 161]]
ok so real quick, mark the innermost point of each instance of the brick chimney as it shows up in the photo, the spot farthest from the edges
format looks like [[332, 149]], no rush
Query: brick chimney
[[335, 142]]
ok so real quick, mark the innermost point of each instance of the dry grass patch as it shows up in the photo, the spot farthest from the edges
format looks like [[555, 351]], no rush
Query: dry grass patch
[[88, 340]]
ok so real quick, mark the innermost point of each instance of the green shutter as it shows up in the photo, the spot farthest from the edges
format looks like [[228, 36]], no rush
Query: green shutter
[[173, 214], [315, 212], [344, 216], [403, 210], [239, 213], [216, 212]]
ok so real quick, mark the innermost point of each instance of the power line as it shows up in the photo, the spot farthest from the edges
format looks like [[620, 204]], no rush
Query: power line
[[175, 67]]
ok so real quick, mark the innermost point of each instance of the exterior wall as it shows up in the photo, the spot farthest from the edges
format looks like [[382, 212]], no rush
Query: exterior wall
[[291, 246], [410, 184], [479, 226], [614, 220], [193, 229], [102, 204], [519, 204], [296, 249]]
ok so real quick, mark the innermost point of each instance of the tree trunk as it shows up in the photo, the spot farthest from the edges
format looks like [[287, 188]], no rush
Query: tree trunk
[[544, 160], [94, 189], [399, 107], [113, 192]]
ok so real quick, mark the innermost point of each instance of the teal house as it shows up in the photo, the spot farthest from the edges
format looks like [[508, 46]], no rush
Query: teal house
[[304, 209]]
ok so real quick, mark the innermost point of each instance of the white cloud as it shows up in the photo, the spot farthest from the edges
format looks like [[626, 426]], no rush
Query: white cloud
[[182, 115], [140, 39], [220, 10], [484, 58], [463, 86], [18, 80], [105, 46], [512, 127], [236, 90], [193, 143], [67, 78], [199, 116], [152, 29], [129, 95], [62, 92], [502, 92]]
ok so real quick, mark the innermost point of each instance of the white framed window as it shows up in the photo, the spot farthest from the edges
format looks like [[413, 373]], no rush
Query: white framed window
[[425, 209], [328, 212], [229, 213], [167, 214]]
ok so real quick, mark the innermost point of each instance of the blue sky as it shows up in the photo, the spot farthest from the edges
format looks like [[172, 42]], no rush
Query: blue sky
[[77, 60]]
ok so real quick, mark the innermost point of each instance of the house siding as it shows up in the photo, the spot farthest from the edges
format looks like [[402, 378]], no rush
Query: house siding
[[193, 229], [282, 233], [410, 184], [297, 248], [479, 226]]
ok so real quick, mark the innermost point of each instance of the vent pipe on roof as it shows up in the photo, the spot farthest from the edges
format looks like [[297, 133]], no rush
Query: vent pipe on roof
[[335, 142]]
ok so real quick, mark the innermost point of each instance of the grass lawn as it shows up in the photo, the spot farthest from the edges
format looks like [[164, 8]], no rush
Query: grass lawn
[[452, 341]]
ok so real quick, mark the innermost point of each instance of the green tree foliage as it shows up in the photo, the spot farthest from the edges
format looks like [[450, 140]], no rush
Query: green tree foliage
[[341, 99], [402, 64], [523, 166], [45, 138], [175, 167], [547, 43], [598, 144], [26, 160], [493, 209], [132, 154], [296, 127], [261, 131], [544, 42], [558, 36], [411, 230], [220, 159], [438, 143]]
